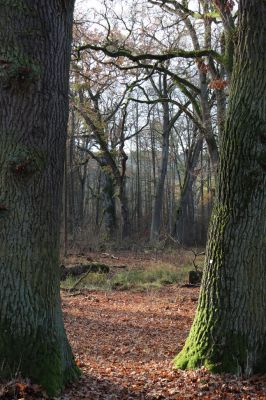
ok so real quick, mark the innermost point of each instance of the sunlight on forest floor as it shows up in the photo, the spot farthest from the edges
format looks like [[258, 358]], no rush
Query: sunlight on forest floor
[[129, 271], [124, 342]]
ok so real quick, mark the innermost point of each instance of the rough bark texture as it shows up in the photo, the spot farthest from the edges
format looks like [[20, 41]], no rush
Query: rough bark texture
[[229, 331], [34, 69]]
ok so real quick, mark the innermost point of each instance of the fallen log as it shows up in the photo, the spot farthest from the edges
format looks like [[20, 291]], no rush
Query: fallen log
[[76, 270]]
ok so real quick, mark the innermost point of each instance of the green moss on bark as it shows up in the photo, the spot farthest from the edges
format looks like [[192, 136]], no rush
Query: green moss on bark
[[26, 161], [17, 69], [230, 354], [53, 378], [42, 357]]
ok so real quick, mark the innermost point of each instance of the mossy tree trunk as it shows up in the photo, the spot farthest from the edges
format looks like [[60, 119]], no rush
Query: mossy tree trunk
[[34, 69], [229, 330]]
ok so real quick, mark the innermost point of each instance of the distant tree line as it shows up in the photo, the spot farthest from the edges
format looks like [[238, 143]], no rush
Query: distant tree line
[[143, 141]]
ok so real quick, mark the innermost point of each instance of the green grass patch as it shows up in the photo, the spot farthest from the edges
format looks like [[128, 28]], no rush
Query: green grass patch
[[93, 280], [151, 277], [156, 276]]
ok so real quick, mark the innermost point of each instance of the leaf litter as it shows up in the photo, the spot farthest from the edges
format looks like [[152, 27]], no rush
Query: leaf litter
[[124, 343]]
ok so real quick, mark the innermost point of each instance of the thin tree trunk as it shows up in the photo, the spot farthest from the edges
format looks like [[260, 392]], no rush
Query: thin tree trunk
[[98, 196], [204, 99], [82, 176], [159, 194], [65, 209], [124, 210], [109, 205], [202, 220], [70, 164], [184, 229], [138, 188], [206, 119]]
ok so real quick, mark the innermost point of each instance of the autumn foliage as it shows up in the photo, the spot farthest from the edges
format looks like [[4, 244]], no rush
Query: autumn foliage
[[218, 84]]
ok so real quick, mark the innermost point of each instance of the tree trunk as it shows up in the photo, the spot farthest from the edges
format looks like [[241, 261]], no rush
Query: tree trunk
[[204, 97], [82, 176], [158, 200], [70, 174], [109, 204], [229, 330], [65, 207], [124, 210], [184, 227], [35, 54], [138, 177], [206, 119]]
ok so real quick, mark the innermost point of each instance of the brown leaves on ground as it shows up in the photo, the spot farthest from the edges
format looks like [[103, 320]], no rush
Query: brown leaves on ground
[[124, 343], [22, 390]]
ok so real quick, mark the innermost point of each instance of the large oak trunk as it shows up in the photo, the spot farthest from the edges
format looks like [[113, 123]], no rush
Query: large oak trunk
[[34, 66], [229, 330]]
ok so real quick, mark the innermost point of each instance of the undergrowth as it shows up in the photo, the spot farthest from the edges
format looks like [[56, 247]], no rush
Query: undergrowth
[[135, 278]]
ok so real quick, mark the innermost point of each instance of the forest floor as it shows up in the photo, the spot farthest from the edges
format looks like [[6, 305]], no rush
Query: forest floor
[[124, 341]]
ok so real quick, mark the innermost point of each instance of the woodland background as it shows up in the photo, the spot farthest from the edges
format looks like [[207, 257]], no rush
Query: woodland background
[[138, 164], [149, 88]]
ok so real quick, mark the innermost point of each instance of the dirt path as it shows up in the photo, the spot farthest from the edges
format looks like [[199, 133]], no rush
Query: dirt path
[[124, 343]]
